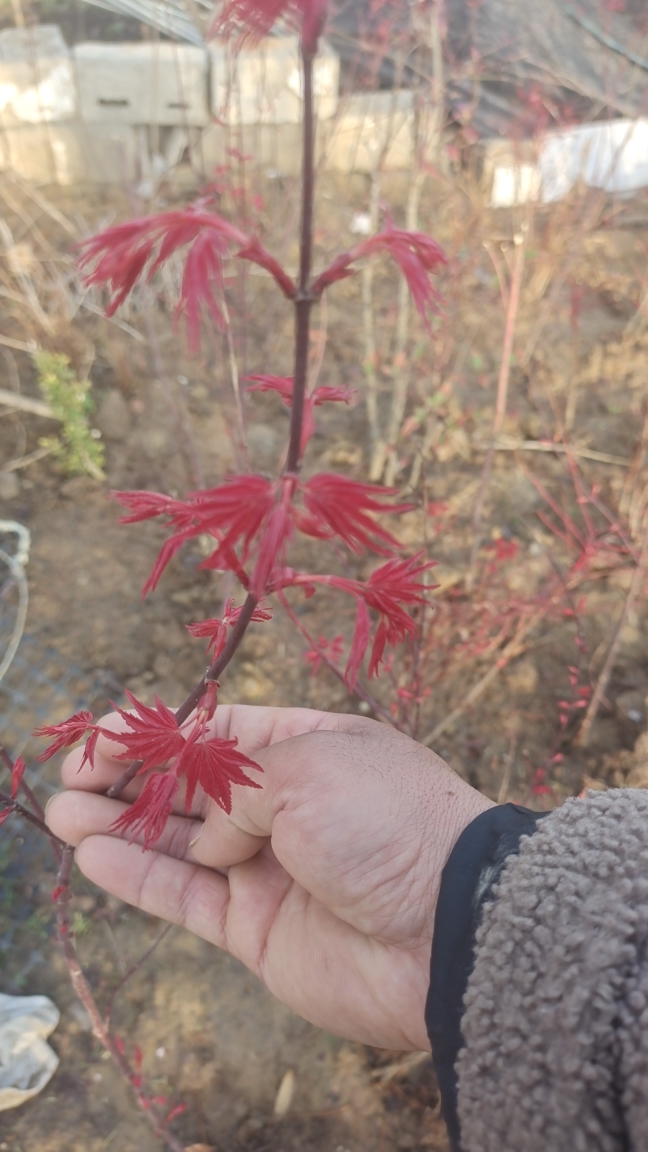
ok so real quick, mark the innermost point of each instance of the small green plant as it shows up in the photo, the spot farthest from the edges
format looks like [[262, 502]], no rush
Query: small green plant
[[77, 448]]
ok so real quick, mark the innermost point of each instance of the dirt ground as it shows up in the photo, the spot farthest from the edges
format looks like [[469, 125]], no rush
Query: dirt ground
[[210, 1035]]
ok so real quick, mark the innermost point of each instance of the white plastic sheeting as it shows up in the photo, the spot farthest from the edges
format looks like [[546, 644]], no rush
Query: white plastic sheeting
[[36, 76], [27, 1062], [611, 155]]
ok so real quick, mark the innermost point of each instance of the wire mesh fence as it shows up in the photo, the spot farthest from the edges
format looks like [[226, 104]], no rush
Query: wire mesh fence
[[38, 686]]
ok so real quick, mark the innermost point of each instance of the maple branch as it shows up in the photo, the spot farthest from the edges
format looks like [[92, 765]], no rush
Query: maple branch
[[359, 690], [520, 241], [212, 673], [304, 299], [21, 810], [23, 786], [514, 648], [135, 968], [64, 854], [634, 591], [84, 994]]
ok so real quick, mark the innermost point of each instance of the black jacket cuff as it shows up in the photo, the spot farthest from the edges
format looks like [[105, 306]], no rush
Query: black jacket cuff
[[473, 868]]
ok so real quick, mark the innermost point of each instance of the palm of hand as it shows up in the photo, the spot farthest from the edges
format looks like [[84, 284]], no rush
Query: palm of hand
[[332, 868]]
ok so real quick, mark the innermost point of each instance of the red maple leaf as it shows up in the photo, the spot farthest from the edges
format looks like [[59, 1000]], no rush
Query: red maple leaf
[[389, 587], [234, 512], [395, 583], [90, 748], [283, 386], [275, 536], [154, 736], [65, 734], [17, 773], [416, 254], [147, 816], [361, 633], [216, 630], [120, 255], [250, 20], [215, 765], [341, 507]]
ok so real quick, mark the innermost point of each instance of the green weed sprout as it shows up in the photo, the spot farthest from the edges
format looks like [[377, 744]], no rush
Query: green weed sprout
[[71, 403]]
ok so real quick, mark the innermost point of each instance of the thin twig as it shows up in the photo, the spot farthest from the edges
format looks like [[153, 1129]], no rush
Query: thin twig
[[359, 689], [370, 355], [235, 382], [135, 968], [26, 404], [303, 300], [514, 648], [634, 591], [24, 786], [29, 458], [192, 459], [520, 240], [84, 993], [509, 445], [20, 809], [400, 364]]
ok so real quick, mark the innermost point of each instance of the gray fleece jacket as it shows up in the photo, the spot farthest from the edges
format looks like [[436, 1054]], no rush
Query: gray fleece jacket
[[555, 1015]]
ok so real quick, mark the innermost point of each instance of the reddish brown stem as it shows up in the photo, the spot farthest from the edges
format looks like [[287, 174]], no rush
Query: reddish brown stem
[[133, 969], [212, 673], [303, 305], [359, 689], [82, 990], [304, 299], [634, 591], [31, 817], [500, 404], [23, 786]]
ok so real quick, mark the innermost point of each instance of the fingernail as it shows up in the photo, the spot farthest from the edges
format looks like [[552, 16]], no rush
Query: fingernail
[[47, 806], [196, 838]]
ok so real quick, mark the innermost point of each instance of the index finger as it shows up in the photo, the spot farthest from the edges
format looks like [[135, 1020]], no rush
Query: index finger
[[253, 726]]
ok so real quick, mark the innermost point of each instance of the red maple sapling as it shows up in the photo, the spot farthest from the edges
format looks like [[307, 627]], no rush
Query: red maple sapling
[[252, 520]]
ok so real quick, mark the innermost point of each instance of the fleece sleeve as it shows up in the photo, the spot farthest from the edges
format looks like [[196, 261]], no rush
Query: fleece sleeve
[[554, 1024], [469, 876]]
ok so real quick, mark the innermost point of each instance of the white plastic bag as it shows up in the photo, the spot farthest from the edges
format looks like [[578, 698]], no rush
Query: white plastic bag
[[27, 1062]]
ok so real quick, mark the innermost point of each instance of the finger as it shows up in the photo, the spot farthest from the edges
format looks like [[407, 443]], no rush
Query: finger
[[220, 842], [183, 893], [76, 815]]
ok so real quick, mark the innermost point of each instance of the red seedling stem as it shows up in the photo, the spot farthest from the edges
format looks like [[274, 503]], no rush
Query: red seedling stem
[[304, 299], [634, 591], [84, 994], [502, 397], [303, 303]]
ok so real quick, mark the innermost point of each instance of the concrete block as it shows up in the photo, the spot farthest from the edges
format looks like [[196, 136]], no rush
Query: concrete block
[[36, 76], [146, 83], [372, 130], [263, 84], [72, 153]]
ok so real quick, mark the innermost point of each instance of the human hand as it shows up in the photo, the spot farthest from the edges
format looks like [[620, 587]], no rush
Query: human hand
[[324, 882]]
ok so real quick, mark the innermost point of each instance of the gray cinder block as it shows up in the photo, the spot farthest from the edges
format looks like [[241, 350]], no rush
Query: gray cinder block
[[147, 83]]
